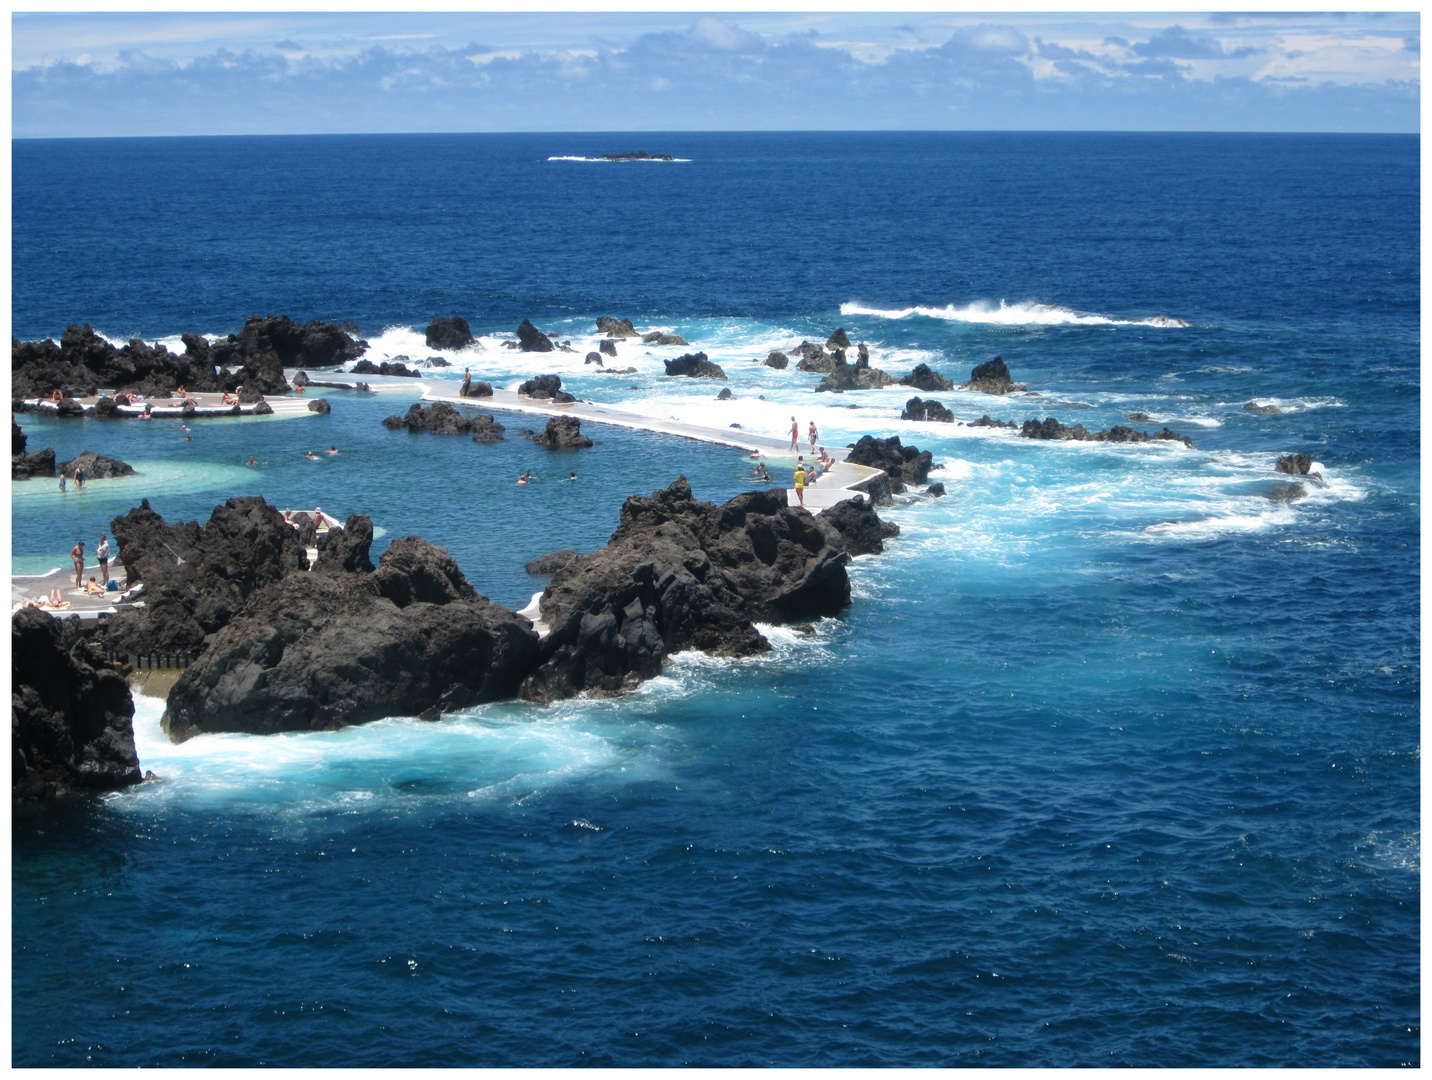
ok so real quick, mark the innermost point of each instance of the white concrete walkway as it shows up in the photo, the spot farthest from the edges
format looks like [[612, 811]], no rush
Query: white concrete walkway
[[844, 481]]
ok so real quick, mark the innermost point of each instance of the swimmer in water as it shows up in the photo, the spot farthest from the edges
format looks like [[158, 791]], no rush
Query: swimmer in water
[[311, 456], [251, 460], [333, 449], [573, 476]]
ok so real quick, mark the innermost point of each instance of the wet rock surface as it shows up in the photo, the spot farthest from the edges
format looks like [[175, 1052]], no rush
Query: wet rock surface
[[316, 652], [1052, 429], [931, 411], [991, 377], [71, 716], [449, 333], [530, 339], [926, 379], [904, 465], [562, 433], [694, 366]]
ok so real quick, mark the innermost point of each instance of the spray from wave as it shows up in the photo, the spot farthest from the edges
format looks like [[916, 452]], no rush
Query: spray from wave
[[1025, 313]]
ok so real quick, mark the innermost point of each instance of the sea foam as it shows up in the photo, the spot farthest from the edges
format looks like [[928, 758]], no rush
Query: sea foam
[[1024, 313]]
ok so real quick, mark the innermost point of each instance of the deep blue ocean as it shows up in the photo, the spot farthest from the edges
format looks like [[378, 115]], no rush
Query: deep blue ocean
[[1113, 761]]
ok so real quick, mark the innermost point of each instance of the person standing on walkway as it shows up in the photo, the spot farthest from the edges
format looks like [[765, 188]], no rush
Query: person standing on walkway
[[813, 434], [78, 554], [800, 482], [795, 433], [102, 554]]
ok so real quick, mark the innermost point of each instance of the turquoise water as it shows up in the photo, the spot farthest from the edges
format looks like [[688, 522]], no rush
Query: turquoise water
[[1113, 760]]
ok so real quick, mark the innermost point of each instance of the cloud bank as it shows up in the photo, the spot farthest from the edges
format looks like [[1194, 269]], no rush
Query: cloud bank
[[273, 74]]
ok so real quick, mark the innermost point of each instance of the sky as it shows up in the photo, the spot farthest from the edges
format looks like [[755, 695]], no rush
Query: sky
[[166, 73]]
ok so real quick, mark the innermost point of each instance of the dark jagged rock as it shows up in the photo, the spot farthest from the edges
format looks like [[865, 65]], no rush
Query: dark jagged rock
[[268, 344], [95, 466], [694, 366], [23, 465], [1294, 464], [845, 377], [985, 421], [439, 418], [547, 565], [480, 389], [860, 526], [1053, 429], [935, 491], [777, 360], [862, 355], [83, 361], [594, 358], [607, 348], [656, 337], [562, 433], [991, 377], [320, 405], [544, 386], [71, 718], [263, 408], [617, 329], [923, 378], [724, 395], [345, 550], [196, 579], [813, 358], [902, 464], [317, 652], [452, 333], [439, 362], [485, 429], [837, 340], [1262, 410], [301, 378], [1142, 418], [931, 411], [530, 339], [394, 367], [634, 155], [678, 574]]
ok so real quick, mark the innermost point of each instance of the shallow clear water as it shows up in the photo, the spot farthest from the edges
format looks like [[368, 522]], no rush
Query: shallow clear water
[[1113, 759]]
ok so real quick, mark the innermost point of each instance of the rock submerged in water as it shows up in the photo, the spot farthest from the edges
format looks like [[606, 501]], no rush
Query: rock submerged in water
[[593, 358], [451, 333], [96, 467], [679, 573], [777, 360], [1294, 464], [562, 433], [440, 418], [23, 465], [615, 328], [1262, 410], [992, 377], [607, 348], [530, 339], [1052, 429], [317, 652], [694, 366], [985, 421], [71, 716], [320, 405], [656, 337], [546, 565], [931, 411], [844, 376], [1286, 492], [923, 378]]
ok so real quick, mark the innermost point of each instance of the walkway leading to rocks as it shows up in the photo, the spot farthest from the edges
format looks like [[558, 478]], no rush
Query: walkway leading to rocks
[[844, 481], [206, 406]]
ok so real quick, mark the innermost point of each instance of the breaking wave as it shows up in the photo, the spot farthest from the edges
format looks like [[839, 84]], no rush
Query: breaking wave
[[1024, 313]]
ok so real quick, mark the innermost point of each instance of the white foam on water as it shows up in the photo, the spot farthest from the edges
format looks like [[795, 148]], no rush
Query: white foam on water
[[489, 752], [624, 161], [1024, 313]]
